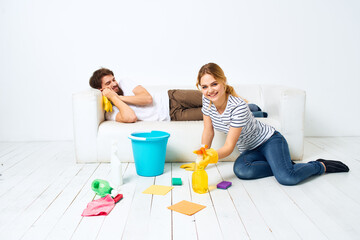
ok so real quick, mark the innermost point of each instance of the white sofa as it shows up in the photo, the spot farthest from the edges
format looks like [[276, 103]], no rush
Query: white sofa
[[93, 136]]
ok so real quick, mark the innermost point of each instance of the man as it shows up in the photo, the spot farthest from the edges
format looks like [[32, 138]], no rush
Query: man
[[132, 102]]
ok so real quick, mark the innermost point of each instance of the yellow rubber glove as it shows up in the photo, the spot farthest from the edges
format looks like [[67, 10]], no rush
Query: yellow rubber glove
[[191, 166], [188, 166], [107, 104], [211, 156]]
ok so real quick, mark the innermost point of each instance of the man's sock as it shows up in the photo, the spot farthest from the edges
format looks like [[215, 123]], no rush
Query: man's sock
[[334, 166]]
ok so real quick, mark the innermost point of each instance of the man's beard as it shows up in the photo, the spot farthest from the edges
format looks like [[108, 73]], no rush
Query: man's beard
[[120, 92]]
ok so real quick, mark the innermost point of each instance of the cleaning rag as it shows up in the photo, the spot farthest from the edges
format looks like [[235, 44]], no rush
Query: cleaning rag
[[101, 206]]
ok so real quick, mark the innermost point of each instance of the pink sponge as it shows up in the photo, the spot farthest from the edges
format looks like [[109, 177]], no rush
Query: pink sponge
[[224, 185]]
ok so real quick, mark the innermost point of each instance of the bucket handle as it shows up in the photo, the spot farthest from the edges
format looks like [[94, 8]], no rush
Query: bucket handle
[[137, 138]]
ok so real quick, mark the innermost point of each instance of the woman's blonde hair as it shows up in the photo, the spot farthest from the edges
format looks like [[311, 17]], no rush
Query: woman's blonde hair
[[215, 70]]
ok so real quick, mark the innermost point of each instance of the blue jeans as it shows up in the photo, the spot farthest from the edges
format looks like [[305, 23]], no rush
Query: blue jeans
[[272, 158]]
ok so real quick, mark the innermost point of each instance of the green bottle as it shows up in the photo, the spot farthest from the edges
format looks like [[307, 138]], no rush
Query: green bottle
[[101, 187]]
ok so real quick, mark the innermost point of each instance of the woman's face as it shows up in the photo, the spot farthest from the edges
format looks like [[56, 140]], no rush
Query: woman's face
[[212, 89]]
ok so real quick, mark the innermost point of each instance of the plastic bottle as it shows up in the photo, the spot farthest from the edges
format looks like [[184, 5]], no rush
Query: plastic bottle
[[200, 177], [116, 170], [101, 187]]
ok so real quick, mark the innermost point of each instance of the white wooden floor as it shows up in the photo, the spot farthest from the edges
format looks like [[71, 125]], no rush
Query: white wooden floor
[[43, 193]]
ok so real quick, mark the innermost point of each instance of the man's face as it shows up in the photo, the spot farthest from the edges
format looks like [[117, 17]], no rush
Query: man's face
[[109, 81]]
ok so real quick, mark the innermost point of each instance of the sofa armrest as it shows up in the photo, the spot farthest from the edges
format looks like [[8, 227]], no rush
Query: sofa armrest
[[288, 106], [87, 116], [292, 110]]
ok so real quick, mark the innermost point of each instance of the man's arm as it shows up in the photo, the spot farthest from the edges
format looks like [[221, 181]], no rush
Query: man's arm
[[142, 97], [126, 114]]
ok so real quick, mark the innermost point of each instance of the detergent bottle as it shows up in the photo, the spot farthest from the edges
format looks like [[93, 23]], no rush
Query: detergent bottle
[[116, 171], [200, 177]]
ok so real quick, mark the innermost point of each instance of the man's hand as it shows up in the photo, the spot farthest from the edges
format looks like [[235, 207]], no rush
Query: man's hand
[[125, 114], [109, 93]]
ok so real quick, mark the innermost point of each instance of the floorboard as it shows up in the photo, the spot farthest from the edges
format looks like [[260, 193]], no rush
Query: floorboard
[[43, 193]]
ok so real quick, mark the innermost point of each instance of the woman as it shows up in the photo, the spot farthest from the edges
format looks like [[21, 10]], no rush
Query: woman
[[264, 151]]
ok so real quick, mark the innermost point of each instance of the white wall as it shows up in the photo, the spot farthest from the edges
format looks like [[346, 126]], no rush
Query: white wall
[[49, 49]]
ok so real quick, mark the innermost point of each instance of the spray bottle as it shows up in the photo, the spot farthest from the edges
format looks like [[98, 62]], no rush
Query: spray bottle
[[199, 176]]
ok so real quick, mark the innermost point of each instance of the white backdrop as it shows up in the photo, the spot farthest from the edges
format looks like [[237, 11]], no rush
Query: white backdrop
[[49, 49]]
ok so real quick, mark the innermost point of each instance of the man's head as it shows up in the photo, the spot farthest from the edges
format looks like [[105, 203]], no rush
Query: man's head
[[104, 78]]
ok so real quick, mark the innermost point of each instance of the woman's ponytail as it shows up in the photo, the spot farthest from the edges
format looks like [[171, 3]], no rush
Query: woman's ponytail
[[229, 90]]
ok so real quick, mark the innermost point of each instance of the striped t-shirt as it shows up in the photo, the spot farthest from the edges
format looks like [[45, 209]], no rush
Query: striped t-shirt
[[237, 114]]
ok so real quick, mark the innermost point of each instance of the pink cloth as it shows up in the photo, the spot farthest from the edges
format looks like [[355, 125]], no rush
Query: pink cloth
[[102, 206]]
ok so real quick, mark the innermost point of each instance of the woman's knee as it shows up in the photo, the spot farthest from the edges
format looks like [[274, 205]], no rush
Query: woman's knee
[[243, 171], [287, 179]]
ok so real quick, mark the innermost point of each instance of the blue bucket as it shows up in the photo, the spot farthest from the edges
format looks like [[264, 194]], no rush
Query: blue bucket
[[149, 150]]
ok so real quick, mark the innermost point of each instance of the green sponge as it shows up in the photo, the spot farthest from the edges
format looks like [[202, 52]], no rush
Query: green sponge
[[176, 181]]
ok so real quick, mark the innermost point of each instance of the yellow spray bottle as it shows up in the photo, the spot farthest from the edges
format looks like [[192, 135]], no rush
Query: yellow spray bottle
[[199, 176]]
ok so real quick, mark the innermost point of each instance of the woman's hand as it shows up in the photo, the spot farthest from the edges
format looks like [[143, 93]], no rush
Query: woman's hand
[[211, 156]]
